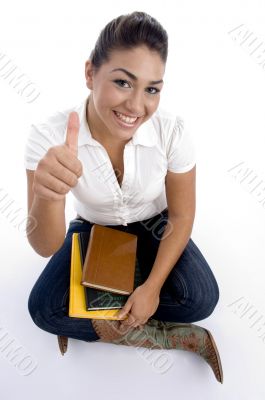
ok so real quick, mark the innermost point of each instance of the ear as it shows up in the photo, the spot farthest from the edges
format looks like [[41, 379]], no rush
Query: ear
[[89, 74]]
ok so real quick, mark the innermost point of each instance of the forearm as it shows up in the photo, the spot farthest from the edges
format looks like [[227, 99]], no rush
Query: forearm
[[174, 240], [49, 232]]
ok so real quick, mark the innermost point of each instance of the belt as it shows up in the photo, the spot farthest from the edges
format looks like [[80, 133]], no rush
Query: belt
[[165, 211]]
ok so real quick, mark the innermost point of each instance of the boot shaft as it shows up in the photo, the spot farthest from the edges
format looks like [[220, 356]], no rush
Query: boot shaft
[[163, 335]]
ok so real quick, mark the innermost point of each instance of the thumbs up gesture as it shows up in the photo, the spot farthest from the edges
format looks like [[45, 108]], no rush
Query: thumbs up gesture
[[58, 171], [72, 132]]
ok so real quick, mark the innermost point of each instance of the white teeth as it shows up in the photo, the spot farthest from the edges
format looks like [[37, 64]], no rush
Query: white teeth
[[124, 118]]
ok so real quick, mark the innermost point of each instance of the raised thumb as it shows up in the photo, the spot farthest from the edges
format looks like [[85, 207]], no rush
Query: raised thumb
[[72, 132]]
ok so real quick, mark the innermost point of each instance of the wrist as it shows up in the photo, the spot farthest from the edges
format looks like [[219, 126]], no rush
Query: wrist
[[152, 287]]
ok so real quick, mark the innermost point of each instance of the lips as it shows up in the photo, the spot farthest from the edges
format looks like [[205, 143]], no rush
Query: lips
[[126, 118], [125, 122]]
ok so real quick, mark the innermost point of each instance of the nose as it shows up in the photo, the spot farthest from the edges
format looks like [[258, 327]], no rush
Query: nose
[[135, 103]]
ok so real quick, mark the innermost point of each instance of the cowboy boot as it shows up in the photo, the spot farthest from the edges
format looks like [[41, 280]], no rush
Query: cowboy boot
[[63, 342], [163, 335]]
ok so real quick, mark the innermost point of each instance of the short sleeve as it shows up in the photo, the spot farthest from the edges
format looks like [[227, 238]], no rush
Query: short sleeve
[[181, 152], [40, 138]]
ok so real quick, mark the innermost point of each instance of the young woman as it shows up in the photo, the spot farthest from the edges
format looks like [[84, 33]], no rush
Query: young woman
[[131, 166]]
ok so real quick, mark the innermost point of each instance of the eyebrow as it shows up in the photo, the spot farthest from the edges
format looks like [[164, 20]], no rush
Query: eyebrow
[[132, 76]]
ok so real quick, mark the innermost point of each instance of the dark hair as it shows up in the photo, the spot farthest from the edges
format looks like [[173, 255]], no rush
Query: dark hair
[[128, 31]]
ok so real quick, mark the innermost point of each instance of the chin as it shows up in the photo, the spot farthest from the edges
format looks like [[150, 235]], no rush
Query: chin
[[123, 137]]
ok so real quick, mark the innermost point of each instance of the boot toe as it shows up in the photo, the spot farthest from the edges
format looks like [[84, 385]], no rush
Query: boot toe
[[62, 342], [212, 356]]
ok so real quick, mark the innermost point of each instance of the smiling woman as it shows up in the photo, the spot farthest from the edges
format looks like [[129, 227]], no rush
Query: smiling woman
[[116, 102], [131, 166]]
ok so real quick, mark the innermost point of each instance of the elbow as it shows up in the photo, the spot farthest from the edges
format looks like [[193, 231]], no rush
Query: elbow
[[188, 218], [185, 222], [44, 252]]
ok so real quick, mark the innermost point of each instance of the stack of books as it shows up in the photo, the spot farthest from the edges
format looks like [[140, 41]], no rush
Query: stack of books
[[104, 272]]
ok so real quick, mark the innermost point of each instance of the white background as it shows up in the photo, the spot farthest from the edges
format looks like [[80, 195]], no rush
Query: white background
[[218, 87]]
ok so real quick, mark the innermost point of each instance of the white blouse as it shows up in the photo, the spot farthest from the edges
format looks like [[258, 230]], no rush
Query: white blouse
[[159, 145]]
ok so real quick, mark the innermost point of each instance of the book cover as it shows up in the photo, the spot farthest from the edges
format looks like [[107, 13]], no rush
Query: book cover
[[100, 299], [77, 303], [110, 260]]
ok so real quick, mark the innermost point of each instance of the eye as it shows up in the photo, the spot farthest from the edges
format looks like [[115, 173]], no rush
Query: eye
[[156, 90], [120, 81]]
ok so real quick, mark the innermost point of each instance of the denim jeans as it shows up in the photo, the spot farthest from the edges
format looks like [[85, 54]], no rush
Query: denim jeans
[[190, 292]]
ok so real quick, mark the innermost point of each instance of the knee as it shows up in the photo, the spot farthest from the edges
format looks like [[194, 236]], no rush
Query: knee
[[34, 305], [38, 309], [206, 303]]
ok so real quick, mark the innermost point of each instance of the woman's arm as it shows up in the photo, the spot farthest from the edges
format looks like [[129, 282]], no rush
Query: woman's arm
[[49, 232], [181, 200]]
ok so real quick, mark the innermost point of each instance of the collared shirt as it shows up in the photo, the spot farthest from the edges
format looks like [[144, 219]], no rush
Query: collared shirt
[[160, 144]]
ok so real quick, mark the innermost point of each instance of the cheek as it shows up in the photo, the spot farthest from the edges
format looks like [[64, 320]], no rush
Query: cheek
[[109, 97], [153, 105]]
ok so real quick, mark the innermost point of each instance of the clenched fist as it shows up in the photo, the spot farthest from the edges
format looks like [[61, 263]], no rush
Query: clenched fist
[[58, 171]]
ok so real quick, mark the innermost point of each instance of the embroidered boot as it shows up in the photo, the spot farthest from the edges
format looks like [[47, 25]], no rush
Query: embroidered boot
[[163, 335], [63, 343]]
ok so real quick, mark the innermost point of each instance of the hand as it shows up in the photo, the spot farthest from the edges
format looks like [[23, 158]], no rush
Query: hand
[[140, 306], [58, 171]]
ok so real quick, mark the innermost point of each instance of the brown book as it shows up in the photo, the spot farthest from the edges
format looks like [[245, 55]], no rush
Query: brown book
[[110, 260]]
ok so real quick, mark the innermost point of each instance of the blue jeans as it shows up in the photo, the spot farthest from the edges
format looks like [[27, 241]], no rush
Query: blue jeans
[[190, 292]]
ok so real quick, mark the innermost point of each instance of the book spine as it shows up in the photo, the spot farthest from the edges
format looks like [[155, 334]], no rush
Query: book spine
[[89, 247], [101, 242]]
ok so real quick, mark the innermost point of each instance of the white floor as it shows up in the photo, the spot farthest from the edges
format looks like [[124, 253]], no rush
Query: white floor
[[237, 324]]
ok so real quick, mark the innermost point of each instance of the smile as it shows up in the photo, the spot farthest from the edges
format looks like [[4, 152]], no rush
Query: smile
[[124, 120]]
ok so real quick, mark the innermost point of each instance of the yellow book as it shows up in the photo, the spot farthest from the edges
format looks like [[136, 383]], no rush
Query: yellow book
[[77, 302]]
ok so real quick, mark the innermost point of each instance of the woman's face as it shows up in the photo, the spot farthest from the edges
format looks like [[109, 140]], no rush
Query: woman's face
[[134, 94]]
